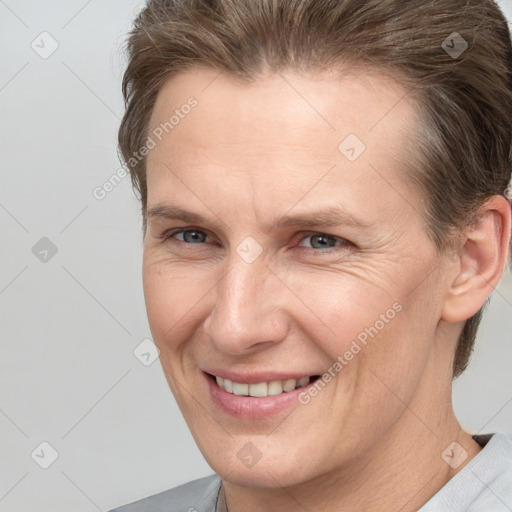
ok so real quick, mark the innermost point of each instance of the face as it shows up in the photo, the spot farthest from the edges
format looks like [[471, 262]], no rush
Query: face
[[284, 242]]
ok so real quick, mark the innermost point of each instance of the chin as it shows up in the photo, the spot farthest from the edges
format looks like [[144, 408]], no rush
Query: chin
[[272, 472], [262, 477]]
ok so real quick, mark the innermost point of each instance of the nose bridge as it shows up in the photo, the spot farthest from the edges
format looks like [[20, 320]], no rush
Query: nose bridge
[[246, 312]]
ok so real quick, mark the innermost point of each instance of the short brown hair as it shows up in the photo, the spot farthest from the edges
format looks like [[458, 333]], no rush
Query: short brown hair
[[461, 154]]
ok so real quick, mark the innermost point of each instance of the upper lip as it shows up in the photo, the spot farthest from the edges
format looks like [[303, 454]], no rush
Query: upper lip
[[256, 377]]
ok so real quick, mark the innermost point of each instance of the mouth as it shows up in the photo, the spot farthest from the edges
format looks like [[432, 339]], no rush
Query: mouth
[[262, 389]]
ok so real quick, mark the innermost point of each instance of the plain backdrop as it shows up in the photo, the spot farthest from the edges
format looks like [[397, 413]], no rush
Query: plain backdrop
[[72, 311]]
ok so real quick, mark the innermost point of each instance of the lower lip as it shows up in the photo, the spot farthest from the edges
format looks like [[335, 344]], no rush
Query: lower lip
[[251, 407]]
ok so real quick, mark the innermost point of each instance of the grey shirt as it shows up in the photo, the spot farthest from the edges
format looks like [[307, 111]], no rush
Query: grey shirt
[[483, 485]]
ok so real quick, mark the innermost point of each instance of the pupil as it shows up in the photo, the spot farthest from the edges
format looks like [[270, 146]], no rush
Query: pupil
[[322, 240], [194, 237]]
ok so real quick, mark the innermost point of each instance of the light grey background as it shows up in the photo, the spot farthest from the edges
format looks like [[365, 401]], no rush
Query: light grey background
[[69, 326]]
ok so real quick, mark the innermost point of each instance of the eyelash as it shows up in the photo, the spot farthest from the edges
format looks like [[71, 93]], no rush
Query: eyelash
[[343, 243]]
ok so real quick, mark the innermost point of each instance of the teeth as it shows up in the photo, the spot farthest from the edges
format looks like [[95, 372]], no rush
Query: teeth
[[240, 389], [289, 385], [272, 388], [275, 387], [258, 389], [303, 381]]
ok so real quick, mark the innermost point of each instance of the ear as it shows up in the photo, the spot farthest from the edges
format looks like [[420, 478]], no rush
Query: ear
[[479, 267]]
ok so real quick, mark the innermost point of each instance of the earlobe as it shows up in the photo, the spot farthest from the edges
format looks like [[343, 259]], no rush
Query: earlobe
[[481, 262]]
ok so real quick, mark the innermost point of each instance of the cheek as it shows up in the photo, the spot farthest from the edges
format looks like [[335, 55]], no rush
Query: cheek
[[175, 301], [166, 301], [337, 310], [375, 334], [398, 347]]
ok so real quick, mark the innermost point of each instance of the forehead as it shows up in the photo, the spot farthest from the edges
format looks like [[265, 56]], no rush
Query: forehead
[[278, 130], [329, 100]]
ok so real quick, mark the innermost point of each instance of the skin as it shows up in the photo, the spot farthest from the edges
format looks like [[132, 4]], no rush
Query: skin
[[247, 155]]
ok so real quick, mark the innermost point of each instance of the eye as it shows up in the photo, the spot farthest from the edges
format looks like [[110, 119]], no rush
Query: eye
[[319, 241], [324, 241], [190, 236]]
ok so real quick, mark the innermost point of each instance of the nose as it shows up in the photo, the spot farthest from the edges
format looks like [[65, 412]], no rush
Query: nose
[[249, 312]]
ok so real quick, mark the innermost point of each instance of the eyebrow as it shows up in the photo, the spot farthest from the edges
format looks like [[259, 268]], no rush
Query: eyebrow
[[325, 217]]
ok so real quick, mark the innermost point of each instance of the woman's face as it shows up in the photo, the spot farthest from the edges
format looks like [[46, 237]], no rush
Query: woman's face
[[304, 253]]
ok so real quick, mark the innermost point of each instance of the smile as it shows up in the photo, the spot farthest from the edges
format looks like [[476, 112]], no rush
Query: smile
[[262, 389]]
